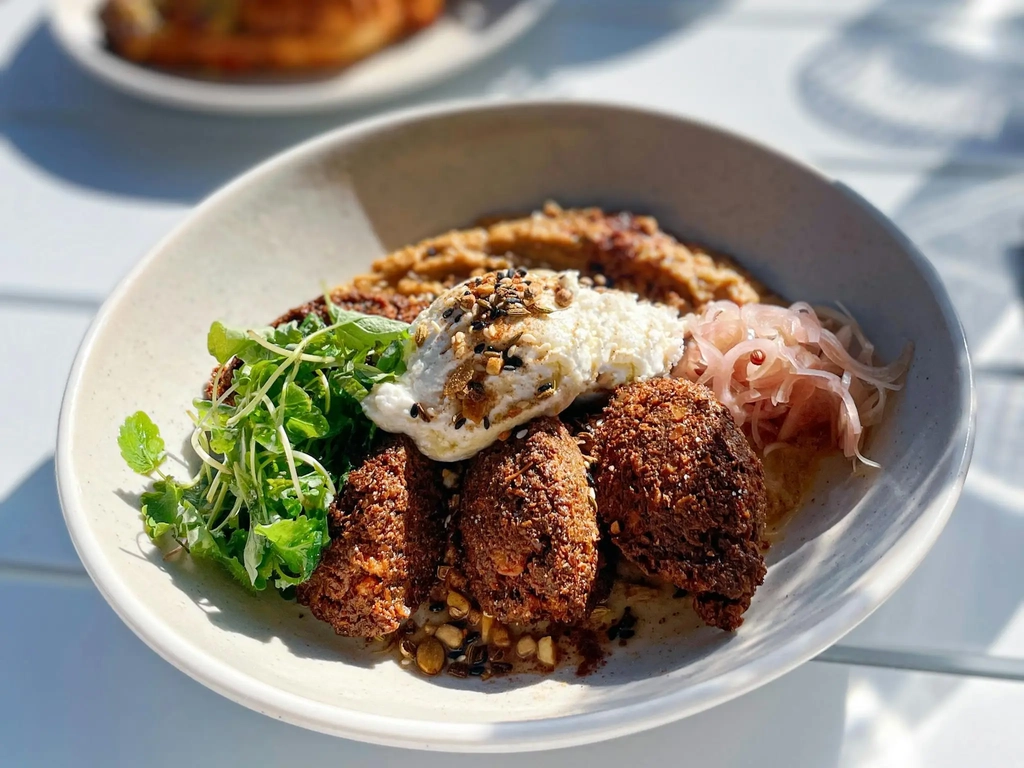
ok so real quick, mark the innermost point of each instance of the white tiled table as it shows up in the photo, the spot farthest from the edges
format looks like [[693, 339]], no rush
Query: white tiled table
[[917, 104]]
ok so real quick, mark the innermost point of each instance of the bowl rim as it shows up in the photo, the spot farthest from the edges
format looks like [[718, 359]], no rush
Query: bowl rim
[[232, 98], [886, 575]]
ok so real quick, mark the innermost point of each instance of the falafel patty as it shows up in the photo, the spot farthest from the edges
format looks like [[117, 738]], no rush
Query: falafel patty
[[387, 539], [529, 527], [683, 494]]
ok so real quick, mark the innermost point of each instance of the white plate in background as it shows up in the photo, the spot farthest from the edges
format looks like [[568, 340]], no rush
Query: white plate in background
[[469, 31]]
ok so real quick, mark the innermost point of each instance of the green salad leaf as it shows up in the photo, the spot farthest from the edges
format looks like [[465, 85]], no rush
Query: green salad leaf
[[140, 443], [274, 449]]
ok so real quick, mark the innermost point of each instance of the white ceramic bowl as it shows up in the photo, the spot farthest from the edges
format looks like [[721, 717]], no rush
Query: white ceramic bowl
[[320, 213], [467, 33]]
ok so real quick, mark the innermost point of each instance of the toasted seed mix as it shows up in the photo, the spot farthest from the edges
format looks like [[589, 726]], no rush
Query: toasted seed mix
[[526, 648], [450, 635], [547, 651], [430, 656], [458, 606], [500, 636], [407, 648]]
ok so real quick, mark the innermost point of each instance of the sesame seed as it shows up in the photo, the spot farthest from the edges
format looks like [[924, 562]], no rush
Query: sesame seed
[[477, 326], [514, 362], [479, 348], [522, 433], [460, 422], [447, 313], [521, 271], [487, 422], [415, 410], [545, 387]]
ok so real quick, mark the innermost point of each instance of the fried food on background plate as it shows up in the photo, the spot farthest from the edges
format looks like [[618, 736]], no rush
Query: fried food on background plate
[[259, 36]]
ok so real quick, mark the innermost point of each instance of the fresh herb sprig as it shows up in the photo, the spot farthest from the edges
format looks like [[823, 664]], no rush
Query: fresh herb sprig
[[274, 448]]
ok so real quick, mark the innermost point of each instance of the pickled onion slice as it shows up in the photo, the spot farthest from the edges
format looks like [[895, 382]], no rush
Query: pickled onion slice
[[786, 372]]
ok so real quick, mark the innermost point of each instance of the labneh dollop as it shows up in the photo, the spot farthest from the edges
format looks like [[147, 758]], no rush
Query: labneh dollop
[[496, 351]]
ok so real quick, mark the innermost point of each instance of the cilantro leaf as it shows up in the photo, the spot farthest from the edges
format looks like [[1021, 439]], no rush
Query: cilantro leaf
[[142, 448]]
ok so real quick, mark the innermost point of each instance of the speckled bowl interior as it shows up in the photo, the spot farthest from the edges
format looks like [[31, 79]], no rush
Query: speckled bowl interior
[[321, 213]]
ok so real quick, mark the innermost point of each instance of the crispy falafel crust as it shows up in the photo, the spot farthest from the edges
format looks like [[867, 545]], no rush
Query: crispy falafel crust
[[682, 494], [387, 539], [528, 527]]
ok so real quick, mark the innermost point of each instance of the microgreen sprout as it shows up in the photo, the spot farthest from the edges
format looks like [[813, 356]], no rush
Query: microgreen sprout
[[274, 448]]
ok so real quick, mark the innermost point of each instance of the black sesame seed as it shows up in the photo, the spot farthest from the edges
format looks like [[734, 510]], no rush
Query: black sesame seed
[[447, 313], [521, 271], [613, 631], [514, 362], [477, 655], [487, 422], [415, 410], [476, 386], [479, 348], [545, 387], [680, 592], [436, 607], [477, 326], [457, 318], [460, 422]]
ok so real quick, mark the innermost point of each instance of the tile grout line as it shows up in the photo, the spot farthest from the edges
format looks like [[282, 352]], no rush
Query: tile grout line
[[52, 575], [958, 663]]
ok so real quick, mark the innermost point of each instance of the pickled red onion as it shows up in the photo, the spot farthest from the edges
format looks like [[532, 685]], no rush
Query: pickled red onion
[[784, 372]]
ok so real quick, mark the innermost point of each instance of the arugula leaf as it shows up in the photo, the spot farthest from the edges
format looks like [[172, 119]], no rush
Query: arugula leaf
[[297, 544], [160, 514], [142, 448], [215, 550], [224, 343], [274, 455]]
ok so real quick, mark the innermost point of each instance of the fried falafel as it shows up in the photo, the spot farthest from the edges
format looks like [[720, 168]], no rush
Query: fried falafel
[[528, 527], [387, 539], [682, 494]]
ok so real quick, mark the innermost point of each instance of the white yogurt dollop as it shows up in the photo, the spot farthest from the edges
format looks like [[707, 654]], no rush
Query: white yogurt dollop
[[497, 351]]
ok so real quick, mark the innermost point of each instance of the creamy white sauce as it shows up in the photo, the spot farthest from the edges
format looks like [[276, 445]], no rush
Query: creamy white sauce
[[600, 340]]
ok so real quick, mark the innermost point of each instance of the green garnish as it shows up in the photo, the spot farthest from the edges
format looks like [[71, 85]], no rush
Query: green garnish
[[275, 448]]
